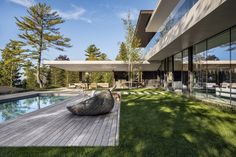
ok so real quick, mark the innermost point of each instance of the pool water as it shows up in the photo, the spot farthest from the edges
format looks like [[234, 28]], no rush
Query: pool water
[[13, 109]]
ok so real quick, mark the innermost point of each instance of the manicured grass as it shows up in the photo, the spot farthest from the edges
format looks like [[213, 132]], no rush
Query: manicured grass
[[159, 125]]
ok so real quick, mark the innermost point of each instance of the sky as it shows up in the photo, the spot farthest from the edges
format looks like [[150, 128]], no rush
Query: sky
[[86, 22]]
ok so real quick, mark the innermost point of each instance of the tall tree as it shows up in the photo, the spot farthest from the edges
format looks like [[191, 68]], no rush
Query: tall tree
[[59, 76], [73, 77], [212, 58], [12, 61], [1, 73], [29, 73], [92, 53], [122, 55], [103, 57], [40, 32], [132, 44]]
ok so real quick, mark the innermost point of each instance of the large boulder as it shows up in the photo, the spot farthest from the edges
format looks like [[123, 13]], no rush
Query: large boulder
[[96, 104]]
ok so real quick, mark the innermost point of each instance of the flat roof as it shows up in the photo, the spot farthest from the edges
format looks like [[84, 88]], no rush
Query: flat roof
[[140, 31], [160, 14], [204, 20], [101, 66]]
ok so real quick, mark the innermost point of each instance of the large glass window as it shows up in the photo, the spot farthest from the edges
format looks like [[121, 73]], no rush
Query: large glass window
[[185, 71], [233, 66], [180, 10], [218, 68], [170, 64], [199, 70], [161, 73], [177, 75]]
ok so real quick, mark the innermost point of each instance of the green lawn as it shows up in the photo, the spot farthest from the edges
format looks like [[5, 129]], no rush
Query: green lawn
[[159, 125]]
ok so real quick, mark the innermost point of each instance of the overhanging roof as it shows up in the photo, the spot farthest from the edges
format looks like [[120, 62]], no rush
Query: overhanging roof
[[100, 66], [204, 20], [140, 33], [160, 14]]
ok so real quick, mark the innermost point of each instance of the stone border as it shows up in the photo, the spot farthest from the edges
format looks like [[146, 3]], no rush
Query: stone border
[[18, 96]]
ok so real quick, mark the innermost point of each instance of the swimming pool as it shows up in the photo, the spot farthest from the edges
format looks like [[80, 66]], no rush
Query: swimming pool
[[12, 109]]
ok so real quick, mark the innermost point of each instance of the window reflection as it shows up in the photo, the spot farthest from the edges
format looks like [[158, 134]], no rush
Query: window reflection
[[185, 71], [199, 70], [233, 66], [214, 69], [218, 68], [177, 76]]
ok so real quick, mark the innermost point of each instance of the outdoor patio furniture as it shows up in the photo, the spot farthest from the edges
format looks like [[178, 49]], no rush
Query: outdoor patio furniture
[[93, 86], [226, 92], [99, 103], [77, 85], [225, 85], [71, 85], [103, 85], [233, 85]]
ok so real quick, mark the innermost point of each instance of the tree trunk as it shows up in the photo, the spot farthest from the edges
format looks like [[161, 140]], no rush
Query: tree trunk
[[38, 75], [40, 82]]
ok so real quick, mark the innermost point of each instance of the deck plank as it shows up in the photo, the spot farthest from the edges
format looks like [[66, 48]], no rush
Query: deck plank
[[112, 140], [55, 126]]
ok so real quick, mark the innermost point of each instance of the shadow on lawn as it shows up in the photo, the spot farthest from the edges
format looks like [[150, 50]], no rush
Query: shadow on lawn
[[174, 126], [164, 125]]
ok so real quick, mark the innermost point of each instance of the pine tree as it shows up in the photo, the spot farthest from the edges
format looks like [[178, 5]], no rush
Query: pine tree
[[103, 57], [73, 77], [29, 73], [46, 76], [13, 56], [122, 55], [92, 53], [1, 73], [40, 32], [59, 76]]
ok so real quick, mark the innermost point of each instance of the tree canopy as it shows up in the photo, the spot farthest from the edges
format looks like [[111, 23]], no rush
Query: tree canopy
[[13, 56], [92, 53], [39, 31], [122, 55]]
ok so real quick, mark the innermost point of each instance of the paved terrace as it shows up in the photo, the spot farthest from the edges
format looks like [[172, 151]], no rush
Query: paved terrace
[[55, 126]]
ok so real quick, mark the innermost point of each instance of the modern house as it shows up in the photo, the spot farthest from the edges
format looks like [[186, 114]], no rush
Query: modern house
[[190, 47], [195, 42], [119, 69]]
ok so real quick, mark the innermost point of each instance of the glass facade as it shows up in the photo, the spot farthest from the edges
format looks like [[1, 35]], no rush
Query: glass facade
[[206, 70], [185, 61], [233, 65], [218, 68], [180, 10], [177, 74], [199, 70]]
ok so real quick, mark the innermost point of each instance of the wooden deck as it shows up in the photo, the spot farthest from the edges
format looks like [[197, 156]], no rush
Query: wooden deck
[[55, 126]]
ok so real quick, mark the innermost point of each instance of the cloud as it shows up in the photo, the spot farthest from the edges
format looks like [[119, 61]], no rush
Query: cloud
[[76, 14], [24, 3], [133, 14]]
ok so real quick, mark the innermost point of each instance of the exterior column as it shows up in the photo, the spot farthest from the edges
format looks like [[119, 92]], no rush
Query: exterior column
[[190, 70], [158, 79], [165, 75], [80, 76], [170, 80]]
